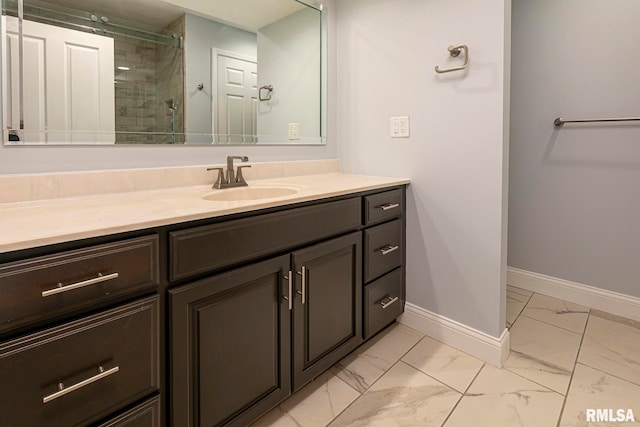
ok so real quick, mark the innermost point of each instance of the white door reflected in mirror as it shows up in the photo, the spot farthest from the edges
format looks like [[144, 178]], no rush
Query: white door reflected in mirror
[[68, 91], [235, 104]]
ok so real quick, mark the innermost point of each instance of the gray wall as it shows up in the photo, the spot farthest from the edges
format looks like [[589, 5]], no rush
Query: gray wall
[[289, 59], [200, 36], [574, 201], [455, 157], [35, 159]]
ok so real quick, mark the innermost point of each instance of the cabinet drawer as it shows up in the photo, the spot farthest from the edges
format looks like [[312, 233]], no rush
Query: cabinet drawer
[[210, 247], [383, 206], [383, 302], [383, 245], [146, 414], [49, 286], [80, 372]]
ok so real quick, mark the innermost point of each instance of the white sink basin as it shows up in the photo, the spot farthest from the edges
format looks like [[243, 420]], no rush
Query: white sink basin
[[249, 193]]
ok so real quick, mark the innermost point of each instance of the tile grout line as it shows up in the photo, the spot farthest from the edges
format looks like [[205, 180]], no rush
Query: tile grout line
[[553, 326], [363, 393], [432, 377], [352, 387], [626, 321], [386, 370], [521, 310], [418, 370], [564, 402], [429, 375], [581, 342], [557, 326], [462, 395], [564, 397], [520, 289], [536, 383], [608, 373]]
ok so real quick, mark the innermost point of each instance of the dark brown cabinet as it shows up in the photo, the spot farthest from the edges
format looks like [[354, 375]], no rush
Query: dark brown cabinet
[[383, 302], [273, 300], [146, 414], [81, 371], [231, 334], [43, 288], [206, 323], [212, 247], [383, 246], [230, 345], [384, 257], [78, 344], [327, 308]]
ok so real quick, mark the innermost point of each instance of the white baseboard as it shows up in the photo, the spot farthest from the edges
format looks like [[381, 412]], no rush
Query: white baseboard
[[600, 299], [476, 343]]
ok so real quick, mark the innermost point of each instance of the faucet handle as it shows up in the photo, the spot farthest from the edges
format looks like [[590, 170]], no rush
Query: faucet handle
[[218, 182], [239, 177]]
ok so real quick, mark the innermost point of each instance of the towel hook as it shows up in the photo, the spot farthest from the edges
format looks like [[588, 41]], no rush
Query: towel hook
[[454, 51]]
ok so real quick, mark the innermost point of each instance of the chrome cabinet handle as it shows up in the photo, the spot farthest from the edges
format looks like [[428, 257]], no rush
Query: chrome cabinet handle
[[303, 291], [77, 285], [62, 390], [289, 277], [385, 250], [388, 301], [388, 206]]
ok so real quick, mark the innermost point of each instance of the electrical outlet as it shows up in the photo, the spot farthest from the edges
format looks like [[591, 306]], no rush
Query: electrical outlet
[[399, 127], [294, 130]]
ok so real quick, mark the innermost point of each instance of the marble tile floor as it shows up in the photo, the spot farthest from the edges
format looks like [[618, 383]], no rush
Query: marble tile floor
[[565, 359]]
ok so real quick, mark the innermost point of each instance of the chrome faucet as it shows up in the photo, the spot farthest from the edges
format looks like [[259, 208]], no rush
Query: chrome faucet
[[231, 178]]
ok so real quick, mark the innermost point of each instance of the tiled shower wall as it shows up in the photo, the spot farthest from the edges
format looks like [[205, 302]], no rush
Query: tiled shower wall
[[155, 74], [135, 89], [170, 84]]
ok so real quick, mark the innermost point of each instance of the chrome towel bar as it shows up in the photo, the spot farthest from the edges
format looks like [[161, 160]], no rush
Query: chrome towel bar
[[454, 51], [560, 121]]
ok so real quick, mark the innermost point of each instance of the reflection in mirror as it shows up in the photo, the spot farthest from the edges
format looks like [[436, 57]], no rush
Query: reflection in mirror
[[178, 74]]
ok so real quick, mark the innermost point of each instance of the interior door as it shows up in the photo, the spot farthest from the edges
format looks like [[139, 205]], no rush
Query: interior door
[[68, 83], [235, 102], [327, 312]]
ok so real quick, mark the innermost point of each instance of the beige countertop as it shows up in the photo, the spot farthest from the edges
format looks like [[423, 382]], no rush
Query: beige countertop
[[31, 224]]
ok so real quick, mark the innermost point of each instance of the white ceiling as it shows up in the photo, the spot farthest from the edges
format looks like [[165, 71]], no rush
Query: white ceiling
[[247, 14], [154, 13]]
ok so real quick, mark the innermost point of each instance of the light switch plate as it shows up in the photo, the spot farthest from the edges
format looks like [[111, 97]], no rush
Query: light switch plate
[[294, 130], [399, 127]]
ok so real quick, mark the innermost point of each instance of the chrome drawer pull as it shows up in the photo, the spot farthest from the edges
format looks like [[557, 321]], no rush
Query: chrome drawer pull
[[82, 284], [289, 297], [303, 292], [62, 390], [388, 206], [389, 302], [388, 249]]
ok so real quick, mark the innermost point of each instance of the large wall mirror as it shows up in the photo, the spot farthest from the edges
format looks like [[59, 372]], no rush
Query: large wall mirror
[[163, 72]]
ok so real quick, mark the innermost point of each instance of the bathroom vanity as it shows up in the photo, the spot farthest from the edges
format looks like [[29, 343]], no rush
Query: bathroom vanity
[[200, 315]]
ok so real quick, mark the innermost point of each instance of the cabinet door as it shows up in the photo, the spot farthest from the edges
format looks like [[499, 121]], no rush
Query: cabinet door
[[327, 316], [230, 345]]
